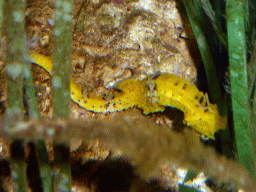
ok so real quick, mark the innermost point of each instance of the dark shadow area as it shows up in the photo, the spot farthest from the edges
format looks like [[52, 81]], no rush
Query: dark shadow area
[[17, 150], [33, 173], [112, 176], [5, 171], [61, 154], [177, 116]]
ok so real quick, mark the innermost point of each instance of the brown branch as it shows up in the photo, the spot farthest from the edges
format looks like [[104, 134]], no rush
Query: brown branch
[[148, 145]]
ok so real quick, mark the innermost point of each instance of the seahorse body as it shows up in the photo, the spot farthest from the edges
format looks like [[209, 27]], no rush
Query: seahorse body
[[133, 93], [169, 90]]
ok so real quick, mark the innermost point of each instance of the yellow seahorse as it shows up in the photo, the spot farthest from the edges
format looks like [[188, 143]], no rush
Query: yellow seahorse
[[167, 90]]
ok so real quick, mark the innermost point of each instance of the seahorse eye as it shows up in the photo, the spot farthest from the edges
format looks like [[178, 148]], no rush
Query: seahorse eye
[[176, 84], [201, 100]]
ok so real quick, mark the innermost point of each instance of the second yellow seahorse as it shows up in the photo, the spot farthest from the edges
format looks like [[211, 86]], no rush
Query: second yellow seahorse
[[168, 90]]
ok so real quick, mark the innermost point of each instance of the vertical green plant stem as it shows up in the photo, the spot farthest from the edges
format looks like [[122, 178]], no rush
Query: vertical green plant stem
[[250, 18], [31, 99], [42, 156], [62, 58], [214, 16], [235, 10], [61, 80], [1, 18], [14, 29], [44, 166], [192, 9], [212, 78]]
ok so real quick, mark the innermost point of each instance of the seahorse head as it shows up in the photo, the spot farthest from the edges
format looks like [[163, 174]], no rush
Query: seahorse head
[[208, 123]]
